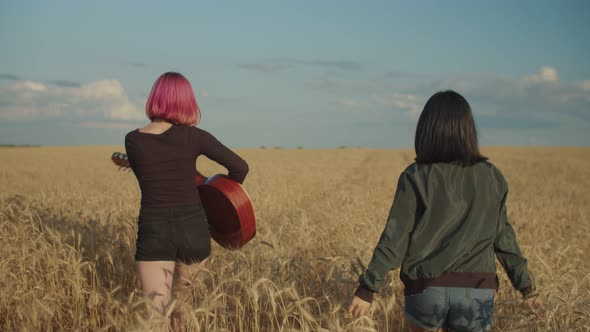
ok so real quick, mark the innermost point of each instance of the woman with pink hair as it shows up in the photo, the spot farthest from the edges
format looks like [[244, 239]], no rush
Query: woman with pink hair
[[173, 241]]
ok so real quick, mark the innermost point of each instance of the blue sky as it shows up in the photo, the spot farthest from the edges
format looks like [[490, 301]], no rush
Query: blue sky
[[296, 73]]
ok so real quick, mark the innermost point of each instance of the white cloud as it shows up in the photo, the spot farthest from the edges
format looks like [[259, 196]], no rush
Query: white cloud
[[27, 86], [284, 63], [545, 74], [409, 104], [541, 95], [405, 102], [21, 100], [107, 125], [585, 85], [349, 103]]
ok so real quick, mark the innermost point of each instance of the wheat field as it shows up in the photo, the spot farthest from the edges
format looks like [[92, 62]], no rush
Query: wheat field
[[68, 229]]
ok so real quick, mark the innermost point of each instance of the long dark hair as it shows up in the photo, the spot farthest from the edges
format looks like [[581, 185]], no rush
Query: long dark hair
[[446, 131]]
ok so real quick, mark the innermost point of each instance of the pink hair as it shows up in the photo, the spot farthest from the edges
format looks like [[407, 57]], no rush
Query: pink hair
[[172, 99]]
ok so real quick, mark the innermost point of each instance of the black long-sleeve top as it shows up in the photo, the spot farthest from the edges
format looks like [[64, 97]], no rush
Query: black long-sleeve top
[[165, 164]]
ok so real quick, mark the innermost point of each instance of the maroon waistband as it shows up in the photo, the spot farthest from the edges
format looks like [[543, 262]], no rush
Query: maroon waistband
[[453, 279]]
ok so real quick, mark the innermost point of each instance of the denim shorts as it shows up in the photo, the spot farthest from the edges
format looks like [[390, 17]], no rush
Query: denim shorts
[[178, 233], [455, 308]]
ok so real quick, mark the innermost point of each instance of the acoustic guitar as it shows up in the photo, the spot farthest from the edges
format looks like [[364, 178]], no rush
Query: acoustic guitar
[[228, 207]]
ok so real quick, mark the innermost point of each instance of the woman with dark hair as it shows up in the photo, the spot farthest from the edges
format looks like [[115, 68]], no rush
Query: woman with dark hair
[[447, 224], [173, 241]]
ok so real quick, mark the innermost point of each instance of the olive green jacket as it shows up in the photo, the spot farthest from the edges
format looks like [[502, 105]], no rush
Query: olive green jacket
[[447, 218]]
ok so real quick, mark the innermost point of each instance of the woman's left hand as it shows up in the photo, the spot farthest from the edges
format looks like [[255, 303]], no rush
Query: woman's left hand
[[359, 307]]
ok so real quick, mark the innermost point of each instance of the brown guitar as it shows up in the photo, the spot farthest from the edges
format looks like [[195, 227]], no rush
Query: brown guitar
[[229, 210]]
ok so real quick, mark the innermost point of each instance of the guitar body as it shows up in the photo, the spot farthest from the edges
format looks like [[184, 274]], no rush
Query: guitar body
[[229, 211]]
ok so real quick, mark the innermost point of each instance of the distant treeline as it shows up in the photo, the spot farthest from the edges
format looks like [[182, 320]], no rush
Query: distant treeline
[[19, 145]]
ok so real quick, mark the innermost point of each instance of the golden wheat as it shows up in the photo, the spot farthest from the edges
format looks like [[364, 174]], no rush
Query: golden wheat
[[68, 228]]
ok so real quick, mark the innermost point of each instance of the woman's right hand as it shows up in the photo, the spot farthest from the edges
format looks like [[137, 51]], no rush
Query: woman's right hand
[[359, 307]]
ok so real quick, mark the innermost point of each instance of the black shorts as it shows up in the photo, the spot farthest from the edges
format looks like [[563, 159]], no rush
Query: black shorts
[[173, 234]]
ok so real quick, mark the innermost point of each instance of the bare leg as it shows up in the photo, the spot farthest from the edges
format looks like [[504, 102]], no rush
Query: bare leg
[[185, 276], [156, 279]]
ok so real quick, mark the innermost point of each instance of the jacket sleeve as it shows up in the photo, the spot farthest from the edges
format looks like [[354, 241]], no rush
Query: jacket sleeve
[[214, 150], [393, 244], [509, 254]]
